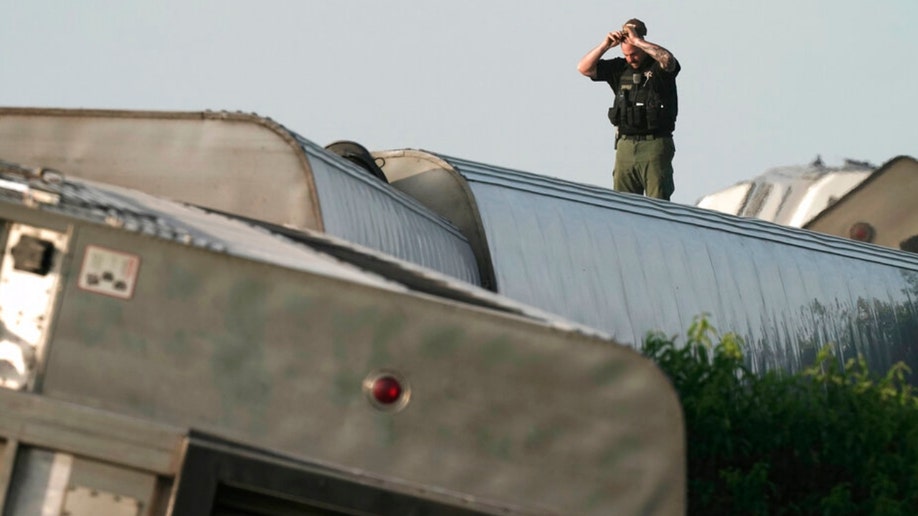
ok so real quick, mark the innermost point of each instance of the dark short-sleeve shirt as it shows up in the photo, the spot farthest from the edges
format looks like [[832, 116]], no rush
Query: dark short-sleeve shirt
[[610, 71]]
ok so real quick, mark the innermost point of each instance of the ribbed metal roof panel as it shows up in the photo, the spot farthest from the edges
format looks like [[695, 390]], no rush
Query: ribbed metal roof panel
[[360, 208], [627, 265]]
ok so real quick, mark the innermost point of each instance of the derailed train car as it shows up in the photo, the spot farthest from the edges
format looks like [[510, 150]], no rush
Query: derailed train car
[[157, 358], [629, 264], [621, 263]]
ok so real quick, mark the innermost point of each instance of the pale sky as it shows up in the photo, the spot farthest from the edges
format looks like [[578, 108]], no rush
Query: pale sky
[[763, 83]]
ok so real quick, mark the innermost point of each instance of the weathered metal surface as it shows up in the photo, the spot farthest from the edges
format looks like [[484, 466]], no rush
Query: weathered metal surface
[[629, 265], [235, 162], [238, 163], [260, 338], [133, 443], [60, 457]]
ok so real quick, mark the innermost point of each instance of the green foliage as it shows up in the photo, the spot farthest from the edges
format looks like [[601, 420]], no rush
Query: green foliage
[[833, 439]]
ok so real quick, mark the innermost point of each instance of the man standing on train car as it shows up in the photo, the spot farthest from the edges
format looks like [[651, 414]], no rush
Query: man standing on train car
[[644, 110]]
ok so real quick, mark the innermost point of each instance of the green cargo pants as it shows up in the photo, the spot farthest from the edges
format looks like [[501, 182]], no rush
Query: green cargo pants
[[645, 167]]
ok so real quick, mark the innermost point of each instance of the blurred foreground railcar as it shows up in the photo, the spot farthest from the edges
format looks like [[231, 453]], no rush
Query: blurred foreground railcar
[[157, 358]]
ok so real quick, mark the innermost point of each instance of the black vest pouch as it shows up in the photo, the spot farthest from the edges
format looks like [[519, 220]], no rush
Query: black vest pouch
[[640, 116], [636, 118], [617, 111], [654, 118]]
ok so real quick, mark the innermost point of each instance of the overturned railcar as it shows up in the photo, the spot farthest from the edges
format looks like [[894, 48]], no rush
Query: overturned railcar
[[161, 359], [629, 264]]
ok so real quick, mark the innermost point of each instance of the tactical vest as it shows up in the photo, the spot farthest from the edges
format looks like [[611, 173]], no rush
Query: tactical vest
[[644, 104]]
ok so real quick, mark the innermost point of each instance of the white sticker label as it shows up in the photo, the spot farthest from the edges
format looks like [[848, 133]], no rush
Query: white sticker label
[[109, 272]]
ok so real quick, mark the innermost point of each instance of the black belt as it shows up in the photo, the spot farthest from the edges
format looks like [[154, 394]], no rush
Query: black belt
[[642, 137]]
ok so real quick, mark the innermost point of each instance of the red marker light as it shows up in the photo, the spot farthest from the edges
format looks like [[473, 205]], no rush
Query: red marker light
[[386, 390]]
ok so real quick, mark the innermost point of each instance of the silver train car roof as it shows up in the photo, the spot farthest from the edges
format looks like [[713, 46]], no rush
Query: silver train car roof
[[552, 187], [629, 265]]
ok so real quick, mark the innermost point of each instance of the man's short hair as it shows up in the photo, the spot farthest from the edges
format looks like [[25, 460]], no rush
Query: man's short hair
[[639, 26]]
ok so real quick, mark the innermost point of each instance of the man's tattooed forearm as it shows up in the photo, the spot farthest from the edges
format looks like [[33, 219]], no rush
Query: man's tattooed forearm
[[660, 55]]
